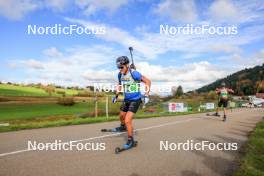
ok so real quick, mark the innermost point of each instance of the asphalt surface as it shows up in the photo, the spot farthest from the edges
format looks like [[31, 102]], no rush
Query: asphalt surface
[[146, 159]]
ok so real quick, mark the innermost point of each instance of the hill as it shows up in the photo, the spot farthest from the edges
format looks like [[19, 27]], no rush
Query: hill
[[245, 82]]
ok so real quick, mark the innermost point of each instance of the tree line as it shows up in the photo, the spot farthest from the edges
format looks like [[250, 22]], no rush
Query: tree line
[[245, 82]]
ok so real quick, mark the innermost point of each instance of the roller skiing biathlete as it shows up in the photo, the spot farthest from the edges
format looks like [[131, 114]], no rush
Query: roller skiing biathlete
[[129, 84], [223, 93]]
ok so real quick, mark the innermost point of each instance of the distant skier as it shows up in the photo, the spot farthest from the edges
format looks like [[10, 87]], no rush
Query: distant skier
[[223, 98]]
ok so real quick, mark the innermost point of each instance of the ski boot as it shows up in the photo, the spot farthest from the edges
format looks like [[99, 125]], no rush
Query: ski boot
[[130, 143], [216, 114], [121, 128]]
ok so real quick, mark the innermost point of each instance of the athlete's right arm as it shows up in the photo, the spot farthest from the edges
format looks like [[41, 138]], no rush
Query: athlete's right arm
[[230, 91], [217, 91], [118, 90], [147, 82]]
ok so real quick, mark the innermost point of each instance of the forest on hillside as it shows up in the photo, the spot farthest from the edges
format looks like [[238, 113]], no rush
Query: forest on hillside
[[245, 82]]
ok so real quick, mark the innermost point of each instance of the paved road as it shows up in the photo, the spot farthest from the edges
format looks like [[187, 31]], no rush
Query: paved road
[[146, 159]]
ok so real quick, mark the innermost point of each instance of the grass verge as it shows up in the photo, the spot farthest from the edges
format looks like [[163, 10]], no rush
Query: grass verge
[[78, 121], [253, 162]]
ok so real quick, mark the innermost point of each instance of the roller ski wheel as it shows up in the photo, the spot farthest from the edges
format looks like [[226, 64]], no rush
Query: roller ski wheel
[[114, 130], [119, 150], [214, 114], [107, 130]]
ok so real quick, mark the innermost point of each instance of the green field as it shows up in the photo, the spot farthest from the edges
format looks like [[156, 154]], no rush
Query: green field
[[22, 111], [40, 115], [19, 90], [253, 162], [9, 112]]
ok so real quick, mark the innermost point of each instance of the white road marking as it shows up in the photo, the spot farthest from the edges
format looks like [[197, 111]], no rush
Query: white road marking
[[105, 136]]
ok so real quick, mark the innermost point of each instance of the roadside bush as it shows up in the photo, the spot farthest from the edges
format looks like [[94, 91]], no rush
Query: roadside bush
[[86, 94], [49, 90], [61, 92], [100, 94], [66, 101], [211, 95]]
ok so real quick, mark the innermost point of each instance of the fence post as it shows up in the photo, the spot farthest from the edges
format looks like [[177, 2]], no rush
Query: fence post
[[106, 107], [96, 106]]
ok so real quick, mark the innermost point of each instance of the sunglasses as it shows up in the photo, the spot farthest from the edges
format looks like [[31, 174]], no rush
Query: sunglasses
[[120, 67]]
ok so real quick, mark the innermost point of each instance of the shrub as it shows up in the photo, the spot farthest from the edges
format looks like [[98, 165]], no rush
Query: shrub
[[211, 95], [49, 89], [86, 94], [61, 92], [66, 101]]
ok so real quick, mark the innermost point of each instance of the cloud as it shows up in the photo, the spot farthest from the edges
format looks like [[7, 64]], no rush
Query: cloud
[[198, 71], [52, 52], [225, 48], [149, 45], [260, 54], [57, 5], [236, 11], [99, 76], [114, 34], [34, 64], [16, 9], [236, 61], [85, 65], [223, 9], [181, 10], [190, 76], [82, 65], [92, 6]]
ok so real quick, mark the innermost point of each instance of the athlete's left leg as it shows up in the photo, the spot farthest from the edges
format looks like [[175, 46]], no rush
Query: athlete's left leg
[[225, 109], [128, 122], [133, 107], [129, 127], [219, 105]]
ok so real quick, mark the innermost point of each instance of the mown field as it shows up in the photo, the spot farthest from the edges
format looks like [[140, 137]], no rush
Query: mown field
[[19, 90], [25, 107], [28, 116]]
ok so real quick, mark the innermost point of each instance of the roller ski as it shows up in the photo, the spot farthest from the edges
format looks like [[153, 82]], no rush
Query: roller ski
[[121, 128], [214, 114], [130, 144], [107, 130]]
